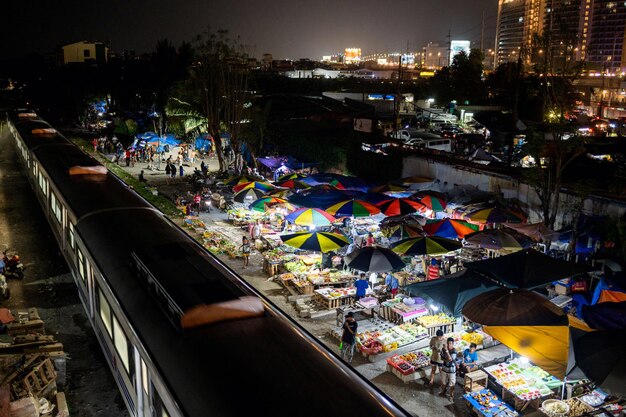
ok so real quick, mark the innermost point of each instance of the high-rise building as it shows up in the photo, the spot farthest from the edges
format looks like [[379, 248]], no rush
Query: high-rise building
[[589, 30], [435, 56], [352, 56]]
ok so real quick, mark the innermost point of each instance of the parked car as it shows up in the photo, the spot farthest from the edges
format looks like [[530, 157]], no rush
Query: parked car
[[406, 134]]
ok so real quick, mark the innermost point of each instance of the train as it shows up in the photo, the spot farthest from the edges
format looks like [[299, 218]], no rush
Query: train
[[138, 276]]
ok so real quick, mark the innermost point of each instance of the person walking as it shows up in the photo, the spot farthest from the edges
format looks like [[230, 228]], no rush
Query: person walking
[[245, 251], [181, 171], [436, 345], [448, 380], [348, 337]]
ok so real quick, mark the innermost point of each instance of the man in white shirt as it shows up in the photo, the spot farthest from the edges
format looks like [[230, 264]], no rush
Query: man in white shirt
[[373, 279]]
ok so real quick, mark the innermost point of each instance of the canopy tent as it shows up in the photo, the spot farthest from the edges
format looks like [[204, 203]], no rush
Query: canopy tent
[[605, 316], [204, 143], [452, 291], [608, 290], [526, 269], [288, 161]]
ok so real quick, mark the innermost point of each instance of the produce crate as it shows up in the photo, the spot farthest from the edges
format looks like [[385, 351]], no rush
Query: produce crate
[[395, 363], [475, 381], [271, 268]]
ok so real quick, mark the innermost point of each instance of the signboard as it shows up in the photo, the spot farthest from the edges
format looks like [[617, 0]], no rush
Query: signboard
[[458, 46]]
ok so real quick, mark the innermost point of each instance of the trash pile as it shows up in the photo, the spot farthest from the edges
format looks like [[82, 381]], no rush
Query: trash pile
[[32, 365]]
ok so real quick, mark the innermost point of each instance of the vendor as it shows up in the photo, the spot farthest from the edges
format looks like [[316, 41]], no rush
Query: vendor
[[470, 359], [361, 285], [392, 284]]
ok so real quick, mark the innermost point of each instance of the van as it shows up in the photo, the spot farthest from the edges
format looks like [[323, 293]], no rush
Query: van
[[441, 144]]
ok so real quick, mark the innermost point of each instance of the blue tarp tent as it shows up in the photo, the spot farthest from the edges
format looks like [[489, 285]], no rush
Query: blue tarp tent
[[204, 143]]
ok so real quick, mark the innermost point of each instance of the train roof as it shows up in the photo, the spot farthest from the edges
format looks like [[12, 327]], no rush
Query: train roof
[[85, 193], [226, 368]]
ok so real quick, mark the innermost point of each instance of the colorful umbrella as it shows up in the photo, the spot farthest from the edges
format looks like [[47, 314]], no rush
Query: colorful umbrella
[[353, 208], [292, 176], [400, 206], [316, 241], [293, 184], [248, 194], [425, 246], [374, 259], [264, 186], [436, 204], [493, 215], [337, 184], [310, 216], [280, 193], [240, 179], [262, 203], [496, 239], [449, 228]]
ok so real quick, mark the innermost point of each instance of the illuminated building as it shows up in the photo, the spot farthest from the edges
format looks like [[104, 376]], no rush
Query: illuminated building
[[352, 56]]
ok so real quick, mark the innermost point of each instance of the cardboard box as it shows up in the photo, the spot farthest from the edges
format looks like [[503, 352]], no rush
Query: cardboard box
[[562, 289]]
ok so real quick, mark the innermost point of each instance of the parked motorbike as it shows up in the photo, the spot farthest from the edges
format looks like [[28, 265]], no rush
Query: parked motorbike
[[12, 264]]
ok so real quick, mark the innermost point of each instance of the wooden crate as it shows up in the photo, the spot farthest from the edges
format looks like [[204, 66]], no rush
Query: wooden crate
[[475, 381], [445, 328]]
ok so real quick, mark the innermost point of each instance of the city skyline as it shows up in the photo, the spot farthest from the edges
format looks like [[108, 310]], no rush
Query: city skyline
[[284, 29]]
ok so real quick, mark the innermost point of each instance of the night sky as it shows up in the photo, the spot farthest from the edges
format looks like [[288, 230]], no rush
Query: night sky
[[285, 28]]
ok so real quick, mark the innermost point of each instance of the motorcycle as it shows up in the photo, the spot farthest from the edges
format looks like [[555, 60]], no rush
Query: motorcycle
[[12, 264]]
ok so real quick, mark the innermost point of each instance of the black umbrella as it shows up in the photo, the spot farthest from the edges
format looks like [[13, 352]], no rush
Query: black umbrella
[[453, 291], [600, 356], [508, 307], [374, 259], [605, 316], [526, 269]]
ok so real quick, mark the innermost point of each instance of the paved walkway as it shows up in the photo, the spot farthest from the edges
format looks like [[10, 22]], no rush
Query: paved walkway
[[415, 397]]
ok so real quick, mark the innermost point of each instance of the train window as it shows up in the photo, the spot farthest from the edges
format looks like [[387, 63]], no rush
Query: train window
[[120, 342], [157, 403], [105, 312], [81, 265], [144, 377], [56, 207], [70, 234]]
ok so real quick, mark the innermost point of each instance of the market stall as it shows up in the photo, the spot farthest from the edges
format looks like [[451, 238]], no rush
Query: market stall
[[486, 403]]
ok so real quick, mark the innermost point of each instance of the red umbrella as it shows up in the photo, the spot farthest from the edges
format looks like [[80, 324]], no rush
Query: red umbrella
[[400, 206]]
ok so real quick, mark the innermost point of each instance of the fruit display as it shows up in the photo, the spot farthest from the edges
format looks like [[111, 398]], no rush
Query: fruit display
[[524, 380], [487, 403], [473, 337], [332, 293], [194, 222], [329, 277], [417, 359], [218, 244], [577, 408], [436, 320]]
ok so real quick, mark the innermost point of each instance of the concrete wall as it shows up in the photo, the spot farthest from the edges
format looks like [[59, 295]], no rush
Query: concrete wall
[[450, 177]]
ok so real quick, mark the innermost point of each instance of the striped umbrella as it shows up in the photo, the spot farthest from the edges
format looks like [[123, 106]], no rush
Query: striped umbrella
[[449, 228], [262, 203], [493, 215], [310, 216], [374, 259], [293, 184], [496, 239], [399, 206], [436, 204], [401, 231], [316, 241], [240, 179], [425, 246], [353, 208], [263, 186], [248, 194], [292, 176]]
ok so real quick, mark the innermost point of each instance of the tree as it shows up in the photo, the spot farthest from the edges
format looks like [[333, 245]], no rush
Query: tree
[[215, 89]]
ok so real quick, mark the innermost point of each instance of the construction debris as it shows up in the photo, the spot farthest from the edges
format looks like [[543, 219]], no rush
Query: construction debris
[[31, 366]]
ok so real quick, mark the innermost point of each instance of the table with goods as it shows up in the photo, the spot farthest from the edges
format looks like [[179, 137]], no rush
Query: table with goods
[[412, 365], [522, 382], [402, 309], [486, 403], [439, 321], [332, 298], [219, 244], [590, 403]]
